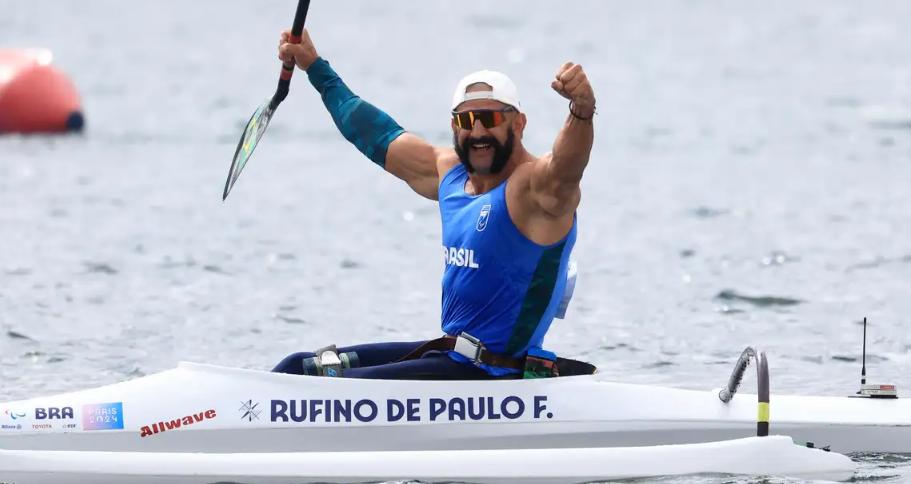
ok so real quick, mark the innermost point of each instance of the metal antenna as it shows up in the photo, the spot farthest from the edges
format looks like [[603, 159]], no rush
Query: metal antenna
[[863, 367], [873, 391]]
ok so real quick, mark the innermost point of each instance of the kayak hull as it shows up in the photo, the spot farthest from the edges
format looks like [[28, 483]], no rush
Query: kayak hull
[[776, 455], [203, 408]]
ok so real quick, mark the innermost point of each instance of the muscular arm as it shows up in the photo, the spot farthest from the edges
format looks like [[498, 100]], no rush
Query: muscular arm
[[375, 134], [372, 131], [416, 161], [555, 180]]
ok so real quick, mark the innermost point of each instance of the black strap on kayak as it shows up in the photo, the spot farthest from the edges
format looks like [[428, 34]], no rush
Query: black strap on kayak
[[565, 366], [448, 343]]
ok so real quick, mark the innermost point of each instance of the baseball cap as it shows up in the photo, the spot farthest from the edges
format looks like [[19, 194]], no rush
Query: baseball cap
[[502, 89]]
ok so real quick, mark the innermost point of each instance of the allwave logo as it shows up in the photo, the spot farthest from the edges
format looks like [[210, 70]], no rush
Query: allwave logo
[[188, 420], [102, 416], [483, 218], [459, 257]]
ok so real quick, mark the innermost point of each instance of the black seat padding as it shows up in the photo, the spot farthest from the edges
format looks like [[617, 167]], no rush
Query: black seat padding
[[568, 367]]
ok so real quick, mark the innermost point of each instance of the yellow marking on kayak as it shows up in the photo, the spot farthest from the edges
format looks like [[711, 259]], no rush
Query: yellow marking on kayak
[[763, 412]]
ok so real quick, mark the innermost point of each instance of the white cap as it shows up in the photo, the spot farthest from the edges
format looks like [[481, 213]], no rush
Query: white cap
[[502, 89]]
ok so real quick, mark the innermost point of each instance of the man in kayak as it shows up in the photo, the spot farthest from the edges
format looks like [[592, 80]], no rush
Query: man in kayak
[[509, 222]]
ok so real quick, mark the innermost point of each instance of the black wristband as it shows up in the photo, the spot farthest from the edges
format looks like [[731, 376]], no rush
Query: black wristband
[[580, 118]]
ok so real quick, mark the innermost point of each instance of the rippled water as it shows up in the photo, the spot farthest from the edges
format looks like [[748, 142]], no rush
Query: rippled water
[[750, 184]]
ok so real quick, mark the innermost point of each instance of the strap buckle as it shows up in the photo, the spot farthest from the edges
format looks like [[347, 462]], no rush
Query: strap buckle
[[330, 362], [469, 347]]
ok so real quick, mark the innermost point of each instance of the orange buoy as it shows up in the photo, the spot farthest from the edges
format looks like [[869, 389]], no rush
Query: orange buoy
[[36, 97]]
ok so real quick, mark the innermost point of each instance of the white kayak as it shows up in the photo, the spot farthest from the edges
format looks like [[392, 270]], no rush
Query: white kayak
[[775, 455], [205, 408]]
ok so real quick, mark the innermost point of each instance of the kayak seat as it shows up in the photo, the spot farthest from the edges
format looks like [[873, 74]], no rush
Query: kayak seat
[[568, 367]]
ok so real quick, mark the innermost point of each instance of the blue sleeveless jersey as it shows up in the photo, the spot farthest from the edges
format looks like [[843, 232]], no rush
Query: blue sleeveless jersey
[[498, 285]]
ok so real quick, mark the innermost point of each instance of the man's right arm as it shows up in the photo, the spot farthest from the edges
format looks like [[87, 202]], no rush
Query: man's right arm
[[372, 131], [416, 161]]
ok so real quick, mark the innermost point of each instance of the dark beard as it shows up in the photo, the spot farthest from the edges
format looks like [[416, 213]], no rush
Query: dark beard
[[501, 152]]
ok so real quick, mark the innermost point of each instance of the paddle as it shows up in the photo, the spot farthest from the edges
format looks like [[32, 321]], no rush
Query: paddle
[[258, 123]]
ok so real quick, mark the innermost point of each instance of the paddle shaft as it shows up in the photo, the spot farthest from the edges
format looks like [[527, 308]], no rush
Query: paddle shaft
[[284, 79]]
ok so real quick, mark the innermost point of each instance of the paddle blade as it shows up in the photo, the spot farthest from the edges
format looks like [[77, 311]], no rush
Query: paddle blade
[[255, 129]]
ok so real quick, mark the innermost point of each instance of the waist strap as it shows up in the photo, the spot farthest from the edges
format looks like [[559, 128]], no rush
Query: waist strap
[[469, 347]]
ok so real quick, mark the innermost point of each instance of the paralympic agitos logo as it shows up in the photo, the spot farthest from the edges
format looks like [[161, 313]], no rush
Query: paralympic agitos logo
[[14, 414]]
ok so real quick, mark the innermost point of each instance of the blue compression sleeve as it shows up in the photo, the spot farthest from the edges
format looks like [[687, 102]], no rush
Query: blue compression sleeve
[[366, 127]]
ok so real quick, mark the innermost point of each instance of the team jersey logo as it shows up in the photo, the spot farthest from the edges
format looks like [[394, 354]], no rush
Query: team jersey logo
[[459, 257], [483, 218]]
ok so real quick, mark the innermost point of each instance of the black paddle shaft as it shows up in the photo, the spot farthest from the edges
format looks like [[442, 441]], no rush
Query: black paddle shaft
[[284, 79]]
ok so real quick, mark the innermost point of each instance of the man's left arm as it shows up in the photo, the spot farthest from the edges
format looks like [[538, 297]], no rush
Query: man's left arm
[[555, 181]]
